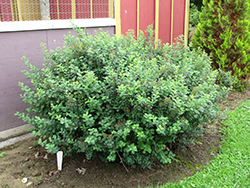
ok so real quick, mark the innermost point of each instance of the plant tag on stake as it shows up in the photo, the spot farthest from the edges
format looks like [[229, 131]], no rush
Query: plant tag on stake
[[59, 160]]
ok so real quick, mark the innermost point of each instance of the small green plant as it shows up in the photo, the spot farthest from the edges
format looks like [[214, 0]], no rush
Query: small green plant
[[178, 158], [40, 178], [223, 33], [199, 166], [120, 98], [2, 154], [36, 144]]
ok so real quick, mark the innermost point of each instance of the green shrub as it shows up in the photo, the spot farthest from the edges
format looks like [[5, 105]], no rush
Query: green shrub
[[120, 98], [194, 14], [223, 32], [197, 3]]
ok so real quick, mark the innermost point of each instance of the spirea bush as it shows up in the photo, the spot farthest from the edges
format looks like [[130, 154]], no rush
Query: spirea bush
[[120, 98]]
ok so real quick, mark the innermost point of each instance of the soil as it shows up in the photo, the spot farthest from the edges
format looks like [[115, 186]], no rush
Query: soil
[[26, 159]]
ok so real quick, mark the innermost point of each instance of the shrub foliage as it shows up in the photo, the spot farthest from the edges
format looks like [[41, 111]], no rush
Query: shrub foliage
[[223, 32], [194, 14], [120, 98], [197, 3]]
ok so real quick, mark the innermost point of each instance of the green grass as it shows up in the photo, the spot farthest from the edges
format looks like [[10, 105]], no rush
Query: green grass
[[231, 167]]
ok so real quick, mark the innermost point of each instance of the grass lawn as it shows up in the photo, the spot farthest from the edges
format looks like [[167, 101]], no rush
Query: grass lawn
[[231, 167]]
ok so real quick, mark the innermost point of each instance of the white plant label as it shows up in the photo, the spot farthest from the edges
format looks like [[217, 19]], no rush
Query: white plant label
[[59, 159]]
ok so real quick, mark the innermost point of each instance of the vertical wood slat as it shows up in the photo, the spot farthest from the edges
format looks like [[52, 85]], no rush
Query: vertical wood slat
[[91, 8], [187, 4], [19, 10], [57, 8], [172, 21], [111, 9], [73, 9], [12, 10], [138, 18], [157, 12], [118, 17]]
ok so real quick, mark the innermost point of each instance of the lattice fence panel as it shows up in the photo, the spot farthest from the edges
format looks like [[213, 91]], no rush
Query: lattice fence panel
[[25, 10]]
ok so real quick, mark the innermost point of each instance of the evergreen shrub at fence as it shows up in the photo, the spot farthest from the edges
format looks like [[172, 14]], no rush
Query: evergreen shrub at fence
[[224, 33], [120, 98]]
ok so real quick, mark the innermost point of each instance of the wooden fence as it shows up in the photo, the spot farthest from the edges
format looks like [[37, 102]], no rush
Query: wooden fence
[[169, 17]]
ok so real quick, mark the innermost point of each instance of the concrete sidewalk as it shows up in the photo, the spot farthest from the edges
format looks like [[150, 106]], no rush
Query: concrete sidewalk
[[14, 135]]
